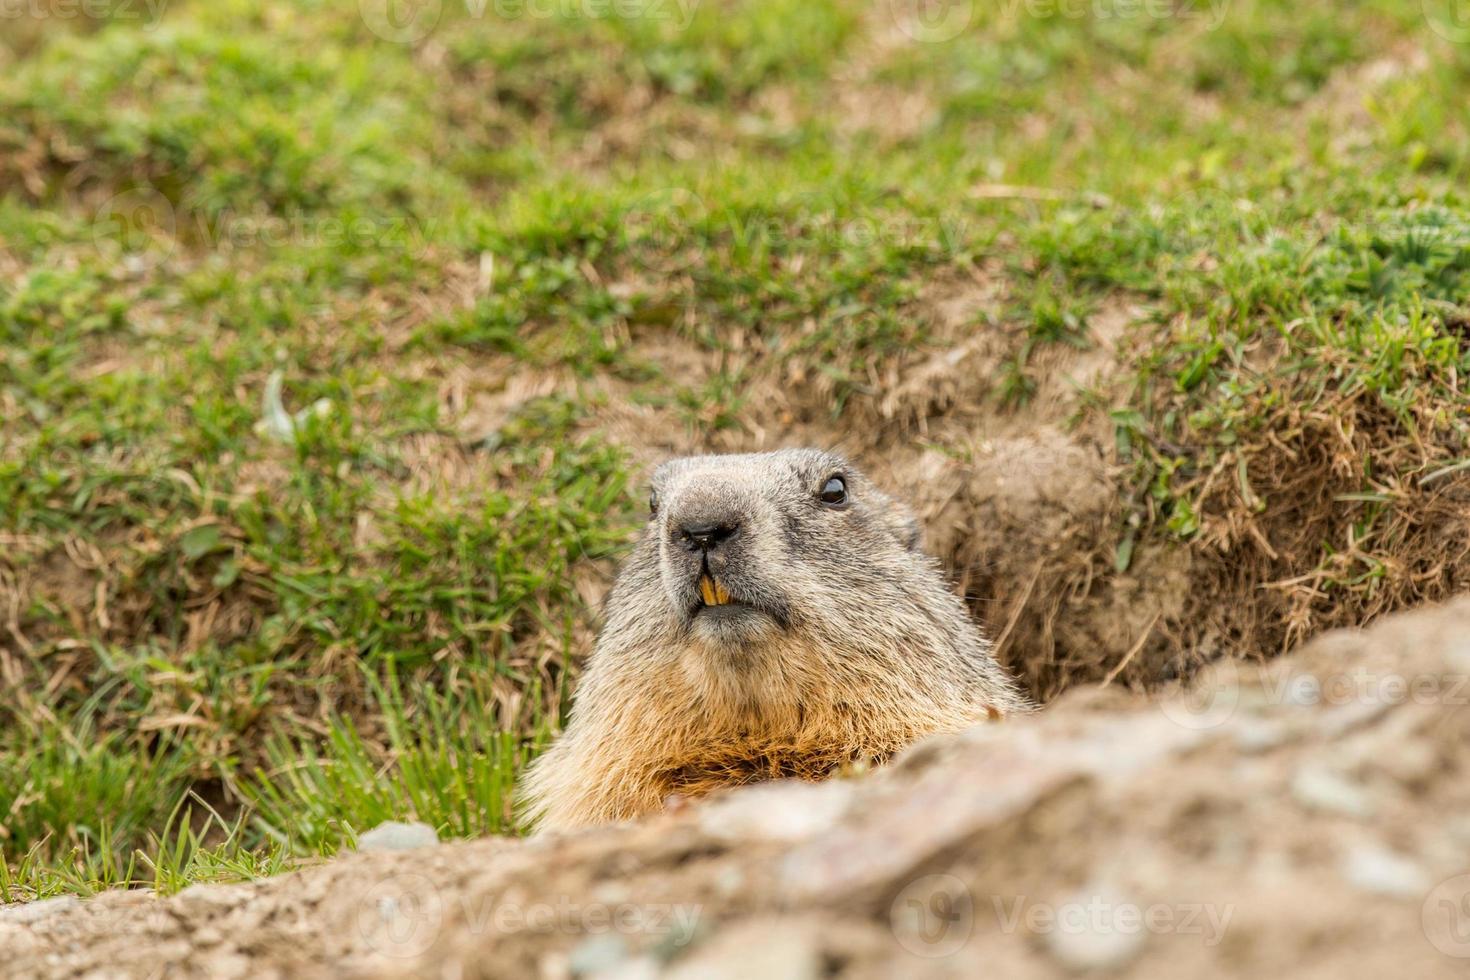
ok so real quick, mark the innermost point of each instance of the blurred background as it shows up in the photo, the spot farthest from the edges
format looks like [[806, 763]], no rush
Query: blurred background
[[338, 338]]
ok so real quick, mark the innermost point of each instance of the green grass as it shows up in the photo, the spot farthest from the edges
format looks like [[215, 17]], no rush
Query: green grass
[[247, 628], [449, 759]]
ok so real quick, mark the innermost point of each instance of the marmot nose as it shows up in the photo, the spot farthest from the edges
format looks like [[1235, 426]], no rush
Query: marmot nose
[[706, 537]]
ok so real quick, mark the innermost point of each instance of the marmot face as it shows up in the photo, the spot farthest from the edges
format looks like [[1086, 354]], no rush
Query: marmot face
[[753, 548]]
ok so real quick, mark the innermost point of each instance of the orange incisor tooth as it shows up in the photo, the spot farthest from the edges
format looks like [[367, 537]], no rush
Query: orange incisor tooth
[[707, 590], [721, 594]]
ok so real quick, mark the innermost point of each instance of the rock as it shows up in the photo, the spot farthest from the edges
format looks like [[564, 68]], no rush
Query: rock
[[1459, 829], [765, 948], [1457, 657], [992, 774], [18, 940], [208, 936], [1319, 788], [1379, 871], [231, 966], [394, 836], [788, 812], [598, 956], [1218, 852], [205, 899], [1253, 736], [34, 912], [638, 968], [1094, 929]]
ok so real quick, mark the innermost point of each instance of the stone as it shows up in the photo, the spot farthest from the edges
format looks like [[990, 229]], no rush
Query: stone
[[598, 956], [1319, 788], [36, 911], [764, 948], [787, 812], [394, 836], [1379, 871], [1095, 930]]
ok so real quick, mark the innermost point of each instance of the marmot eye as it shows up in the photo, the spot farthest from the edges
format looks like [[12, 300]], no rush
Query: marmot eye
[[834, 492], [652, 503]]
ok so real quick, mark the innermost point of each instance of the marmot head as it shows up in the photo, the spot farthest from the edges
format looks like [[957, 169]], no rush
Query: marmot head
[[750, 548], [775, 617]]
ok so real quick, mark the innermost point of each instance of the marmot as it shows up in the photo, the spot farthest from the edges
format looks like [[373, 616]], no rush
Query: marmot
[[776, 618]]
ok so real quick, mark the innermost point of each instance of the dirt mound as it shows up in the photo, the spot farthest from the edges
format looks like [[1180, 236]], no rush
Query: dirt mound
[[1329, 475], [1036, 522], [1306, 818]]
